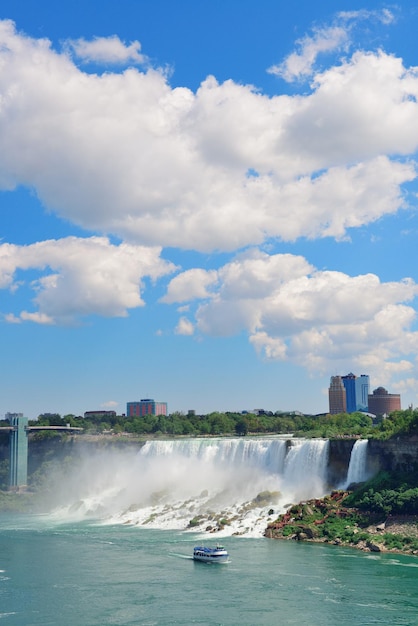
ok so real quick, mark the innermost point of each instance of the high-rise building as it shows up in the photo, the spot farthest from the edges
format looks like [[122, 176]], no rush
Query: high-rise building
[[357, 391], [349, 382], [362, 392], [337, 396], [382, 403], [146, 406]]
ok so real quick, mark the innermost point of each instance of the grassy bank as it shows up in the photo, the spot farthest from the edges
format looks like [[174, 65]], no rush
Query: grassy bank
[[333, 520]]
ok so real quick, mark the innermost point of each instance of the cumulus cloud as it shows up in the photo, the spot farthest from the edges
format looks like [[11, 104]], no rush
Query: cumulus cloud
[[220, 169], [317, 319], [184, 327], [190, 285], [80, 277], [216, 170], [106, 50]]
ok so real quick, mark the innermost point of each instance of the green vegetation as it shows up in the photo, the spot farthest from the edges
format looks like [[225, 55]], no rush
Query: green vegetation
[[215, 424], [358, 518], [399, 423], [323, 519], [178, 424], [387, 494]]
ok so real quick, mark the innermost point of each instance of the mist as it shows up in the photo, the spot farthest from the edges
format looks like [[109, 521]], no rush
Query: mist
[[223, 486]]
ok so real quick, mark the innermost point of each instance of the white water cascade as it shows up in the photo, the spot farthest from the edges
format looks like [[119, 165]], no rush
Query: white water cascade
[[306, 466], [223, 485], [357, 469]]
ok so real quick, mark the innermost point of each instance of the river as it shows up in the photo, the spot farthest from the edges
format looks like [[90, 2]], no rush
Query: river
[[90, 574]]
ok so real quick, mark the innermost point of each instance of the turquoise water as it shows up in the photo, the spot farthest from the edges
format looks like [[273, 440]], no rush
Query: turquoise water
[[85, 574]]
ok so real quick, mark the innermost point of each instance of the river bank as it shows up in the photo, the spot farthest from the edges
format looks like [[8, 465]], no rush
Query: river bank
[[327, 520]]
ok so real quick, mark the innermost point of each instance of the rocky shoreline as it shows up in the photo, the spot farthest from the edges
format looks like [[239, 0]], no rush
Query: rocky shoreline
[[327, 520]]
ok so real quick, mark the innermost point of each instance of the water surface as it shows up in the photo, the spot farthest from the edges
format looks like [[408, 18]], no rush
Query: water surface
[[88, 574]]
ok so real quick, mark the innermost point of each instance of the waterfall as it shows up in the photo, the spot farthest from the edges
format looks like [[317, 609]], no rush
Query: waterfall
[[224, 485], [306, 466], [357, 469], [268, 454]]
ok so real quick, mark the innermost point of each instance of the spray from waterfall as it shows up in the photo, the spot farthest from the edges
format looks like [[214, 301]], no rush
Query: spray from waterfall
[[222, 485]]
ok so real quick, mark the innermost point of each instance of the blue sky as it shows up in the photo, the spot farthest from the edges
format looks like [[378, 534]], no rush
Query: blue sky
[[212, 204]]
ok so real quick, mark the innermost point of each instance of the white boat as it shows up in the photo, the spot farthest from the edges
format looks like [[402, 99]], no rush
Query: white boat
[[210, 555]]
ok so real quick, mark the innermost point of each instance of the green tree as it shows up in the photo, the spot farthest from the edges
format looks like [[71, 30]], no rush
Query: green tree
[[241, 426]]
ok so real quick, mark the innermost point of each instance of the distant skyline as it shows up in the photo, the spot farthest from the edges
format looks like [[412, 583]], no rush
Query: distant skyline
[[212, 204]]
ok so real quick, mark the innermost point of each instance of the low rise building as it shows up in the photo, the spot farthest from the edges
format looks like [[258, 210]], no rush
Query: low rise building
[[382, 403], [99, 414], [146, 406]]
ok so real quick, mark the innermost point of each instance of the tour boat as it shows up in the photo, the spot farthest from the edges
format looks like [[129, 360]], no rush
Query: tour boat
[[211, 555]]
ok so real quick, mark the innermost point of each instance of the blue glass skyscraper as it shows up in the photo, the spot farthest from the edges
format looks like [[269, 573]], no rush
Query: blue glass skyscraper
[[357, 391], [349, 382]]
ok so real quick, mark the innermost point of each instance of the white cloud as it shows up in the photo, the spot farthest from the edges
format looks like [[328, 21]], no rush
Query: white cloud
[[385, 16], [316, 319], [37, 317], [81, 277], [106, 50], [184, 327], [299, 64], [334, 38], [220, 169], [190, 285], [109, 404], [10, 318]]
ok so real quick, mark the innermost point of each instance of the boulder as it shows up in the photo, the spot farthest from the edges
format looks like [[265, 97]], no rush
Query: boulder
[[305, 533], [374, 547]]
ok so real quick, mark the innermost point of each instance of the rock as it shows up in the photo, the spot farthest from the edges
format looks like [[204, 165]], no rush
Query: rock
[[308, 532], [374, 547], [301, 536], [305, 533]]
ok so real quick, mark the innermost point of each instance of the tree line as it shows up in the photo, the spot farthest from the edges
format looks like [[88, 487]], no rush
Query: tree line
[[398, 423]]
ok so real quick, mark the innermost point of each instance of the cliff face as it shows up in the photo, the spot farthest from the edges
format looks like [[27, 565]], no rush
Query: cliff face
[[339, 459], [399, 455], [394, 455]]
